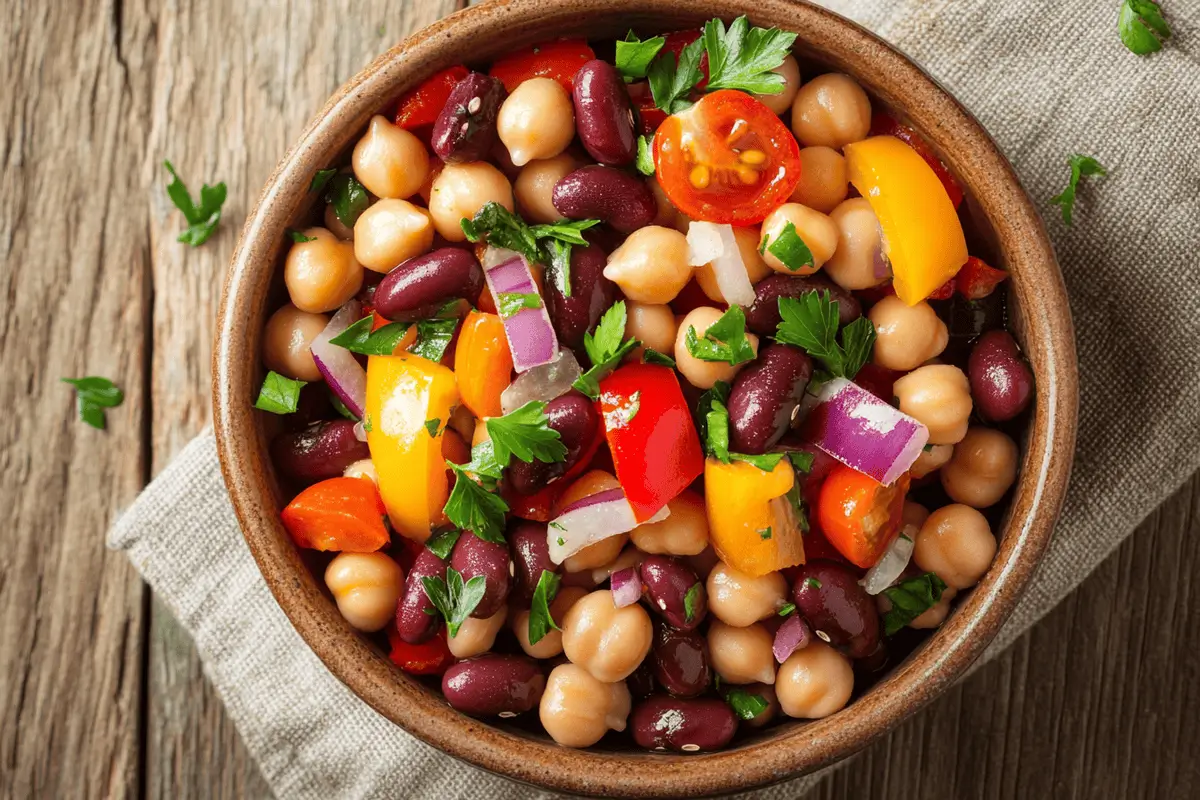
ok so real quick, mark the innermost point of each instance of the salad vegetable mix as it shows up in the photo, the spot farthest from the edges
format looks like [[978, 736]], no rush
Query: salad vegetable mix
[[655, 393]]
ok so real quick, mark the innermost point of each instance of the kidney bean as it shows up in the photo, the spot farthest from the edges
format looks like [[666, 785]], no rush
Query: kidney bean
[[622, 200], [668, 582], [312, 407], [829, 597], [762, 316], [412, 623], [603, 114], [591, 295], [680, 661], [494, 685], [318, 452], [1001, 383], [473, 556], [466, 128], [764, 397], [762, 690], [687, 726], [530, 555], [575, 419], [641, 681], [419, 286]]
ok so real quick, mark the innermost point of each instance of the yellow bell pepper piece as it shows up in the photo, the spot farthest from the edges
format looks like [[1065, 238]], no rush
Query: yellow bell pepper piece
[[751, 523], [922, 235], [404, 393]]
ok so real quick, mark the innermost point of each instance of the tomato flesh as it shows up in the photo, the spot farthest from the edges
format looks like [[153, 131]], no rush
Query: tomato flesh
[[727, 159], [858, 515], [556, 60]]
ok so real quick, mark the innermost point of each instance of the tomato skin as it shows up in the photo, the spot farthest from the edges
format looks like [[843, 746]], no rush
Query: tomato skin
[[724, 197], [649, 116], [558, 60], [428, 658], [977, 280], [858, 515], [885, 125], [422, 105]]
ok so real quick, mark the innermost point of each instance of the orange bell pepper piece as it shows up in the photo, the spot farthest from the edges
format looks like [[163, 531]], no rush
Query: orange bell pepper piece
[[343, 514], [860, 516], [483, 364], [751, 523]]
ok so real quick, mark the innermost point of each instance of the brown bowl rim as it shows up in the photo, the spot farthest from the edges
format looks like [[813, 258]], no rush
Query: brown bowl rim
[[800, 747]]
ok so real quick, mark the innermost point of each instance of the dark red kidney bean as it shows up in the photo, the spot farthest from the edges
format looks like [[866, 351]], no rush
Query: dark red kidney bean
[[473, 556], [530, 555], [603, 114], [762, 316], [313, 406], [686, 726], [641, 681], [494, 685], [1001, 383], [668, 582], [591, 295], [764, 397], [767, 693], [321, 451], [680, 661], [420, 285], [829, 597], [412, 623], [622, 200], [575, 419], [466, 128]]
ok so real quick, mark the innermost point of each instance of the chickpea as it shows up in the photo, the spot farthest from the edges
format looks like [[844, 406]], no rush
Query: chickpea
[[476, 636], [816, 230], [596, 554], [577, 710], [335, 225], [756, 267], [913, 515], [536, 121], [653, 324], [535, 185], [287, 339], [906, 336], [739, 599], [363, 468], [934, 616], [831, 110], [684, 533], [607, 641], [939, 397], [858, 262], [982, 469], [934, 457], [366, 587], [389, 161], [589, 483], [435, 168], [668, 215], [741, 655], [651, 266], [703, 374], [956, 544], [322, 274], [549, 645], [814, 682], [460, 190], [823, 179], [781, 102], [391, 232]]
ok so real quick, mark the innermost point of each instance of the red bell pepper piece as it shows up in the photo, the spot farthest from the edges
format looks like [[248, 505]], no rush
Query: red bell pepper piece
[[428, 658], [943, 292], [343, 514], [858, 515], [649, 116], [654, 445], [422, 105], [977, 280], [558, 60], [883, 124]]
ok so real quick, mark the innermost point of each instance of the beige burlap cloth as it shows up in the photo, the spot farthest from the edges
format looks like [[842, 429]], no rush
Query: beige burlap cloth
[[1046, 79]]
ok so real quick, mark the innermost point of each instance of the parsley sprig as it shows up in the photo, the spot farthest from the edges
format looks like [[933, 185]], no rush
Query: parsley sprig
[[724, 340], [743, 57], [606, 348], [634, 55], [1081, 167], [348, 197], [526, 434], [202, 217], [1142, 26], [671, 83], [452, 598], [746, 705], [95, 394], [811, 322]]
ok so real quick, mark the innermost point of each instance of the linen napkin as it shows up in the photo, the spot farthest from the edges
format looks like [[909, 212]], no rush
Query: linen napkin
[[1046, 80]]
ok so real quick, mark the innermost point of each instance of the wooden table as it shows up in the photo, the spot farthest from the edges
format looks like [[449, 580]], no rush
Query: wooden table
[[101, 691]]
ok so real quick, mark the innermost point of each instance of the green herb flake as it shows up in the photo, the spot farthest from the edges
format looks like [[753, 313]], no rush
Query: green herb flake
[[605, 349], [452, 598], [339, 406], [513, 303], [202, 217], [671, 83], [716, 431], [691, 602], [473, 508], [1142, 26], [725, 340], [1081, 167], [634, 55], [812, 583], [368, 426], [910, 599], [433, 337], [622, 410], [299, 238], [279, 395], [441, 544], [320, 179], [431, 425], [652, 356], [94, 394], [789, 248], [558, 254], [745, 704], [540, 620], [558, 526], [719, 393], [526, 434], [359, 338], [348, 197], [569, 231], [801, 461], [765, 533], [502, 228], [561, 541], [787, 609], [744, 57], [766, 462], [811, 322], [645, 155]]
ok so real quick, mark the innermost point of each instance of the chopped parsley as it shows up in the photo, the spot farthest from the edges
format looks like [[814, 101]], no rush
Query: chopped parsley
[[714, 432], [359, 338], [789, 248], [652, 356], [766, 462], [433, 337], [472, 507], [910, 599], [744, 57], [452, 598], [787, 609], [526, 434], [94, 394], [1142, 26], [279, 395], [543, 244], [442, 544], [811, 322], [691, 602], [634, 55], [431, 425], [202, 217], [339, 406], [367, 425], [348, 197], [1081, 167], [802, 461], [540, 621], [605, 348], [746, 705], [320, 179], [671, 83], [645, 155], [765, 533], [812, 583], [725, 340], [513, 303], [299, 238]]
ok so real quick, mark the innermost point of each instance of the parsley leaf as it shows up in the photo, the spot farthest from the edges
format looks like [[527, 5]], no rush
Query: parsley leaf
[[671, 83], [634, 55], [652, 356], [623, 410], [483, 463], [744, 57], [513, 303], [278, 394], [348, 197], [299, 238], [359, 338], [320, 179], [605, 349], [645, 155], [453, 599], [94, 395], [368, 426], [789, 248], [433, 337], [443, 543], [202, 218], [811, 322], [526, 434], [765, 533], [910, 599], [787, 609], [725, 340], [1081, 167], [716, 430], [746, 704], [503, 228], [569, 231], [540, 620], [431, 425], [766, 462], [558, 254], [718, 394], [691, 602], [802, 461], [1142, 27], [473, 508]]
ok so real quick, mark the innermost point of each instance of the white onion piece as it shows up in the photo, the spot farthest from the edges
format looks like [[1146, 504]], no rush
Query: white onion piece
[[891, 565], [704, 242], [792, 635], [626, 587], [863, 432], [593, 519], [544, 382], [360, 431], [337, 365], [531, 337], [728, 267]]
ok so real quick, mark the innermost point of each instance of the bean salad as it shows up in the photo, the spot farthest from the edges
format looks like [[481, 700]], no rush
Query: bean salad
[[643, 387]]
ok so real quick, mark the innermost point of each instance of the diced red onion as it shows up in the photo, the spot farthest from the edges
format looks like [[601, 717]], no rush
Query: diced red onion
[[531, 336], [544, 382], [593, 519], [792, 635], [891, 565], [863, 432], [341, 370], [711, 243], [607, 496], [626, 587]]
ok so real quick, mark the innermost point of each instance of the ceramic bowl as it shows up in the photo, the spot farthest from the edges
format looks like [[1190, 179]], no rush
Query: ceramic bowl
[[1006, 228]]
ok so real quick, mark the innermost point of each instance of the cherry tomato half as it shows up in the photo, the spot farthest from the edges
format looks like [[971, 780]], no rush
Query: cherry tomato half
[[976, 280], [858, 515], [726, 159], [558, 60], [423, 104]]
